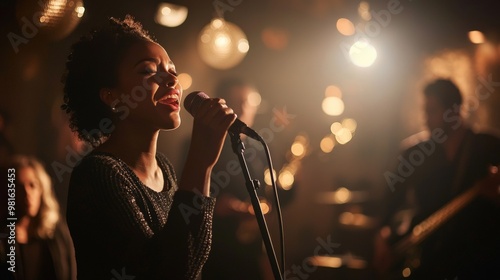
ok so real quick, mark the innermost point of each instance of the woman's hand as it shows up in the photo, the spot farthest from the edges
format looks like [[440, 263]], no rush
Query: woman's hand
[[211, 122]]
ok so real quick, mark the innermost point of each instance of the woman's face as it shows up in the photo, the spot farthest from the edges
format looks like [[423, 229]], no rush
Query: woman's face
[[148, 89], [29, 192]]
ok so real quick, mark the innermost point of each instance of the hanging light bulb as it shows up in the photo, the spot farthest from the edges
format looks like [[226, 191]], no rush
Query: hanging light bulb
[[222, 45], [362, 53], [171, 15]]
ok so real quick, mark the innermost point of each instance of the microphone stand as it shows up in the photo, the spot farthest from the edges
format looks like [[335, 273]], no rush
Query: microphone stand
[[252, 186]]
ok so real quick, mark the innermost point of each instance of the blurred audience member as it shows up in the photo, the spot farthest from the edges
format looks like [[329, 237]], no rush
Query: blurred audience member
[[43, 246]]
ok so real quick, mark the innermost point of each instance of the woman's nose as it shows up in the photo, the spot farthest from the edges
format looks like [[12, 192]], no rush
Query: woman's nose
[[169, 79], [173, 82]]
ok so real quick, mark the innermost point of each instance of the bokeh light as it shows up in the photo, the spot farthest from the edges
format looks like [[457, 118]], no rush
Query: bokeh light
[[406, 272], [336, 127], [286, 179], [264, 206], [298, 149], [362, 53], [350, 124], [275, 38], [171, 15], [222, 44], [254, 99], [327, 144], [345, 27], [185, 80], [342, 195], [267, 176], [333, 91], [364, 11], [333, 106], [343, 136], [80, 10], [476, 37], [325, 261], [301, 138]]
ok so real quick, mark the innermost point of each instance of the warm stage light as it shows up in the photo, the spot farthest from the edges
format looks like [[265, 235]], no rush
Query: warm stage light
[[333, 91], [327, 144], [254, 99], [286, 179], [298, 149], [333, 106], [345, 27], [342, 195], [171, 15], [267, 177], [343, 136], [476, 37], [222, 44], [335, 127], [350, 124], [362, 54], [185, 80], [364, 11], [325, 261]]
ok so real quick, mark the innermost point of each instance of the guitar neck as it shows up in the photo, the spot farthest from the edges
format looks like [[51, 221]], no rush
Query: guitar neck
[[433, 222]]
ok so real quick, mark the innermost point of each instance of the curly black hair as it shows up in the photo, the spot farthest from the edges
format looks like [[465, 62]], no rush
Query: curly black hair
[[91, 66]]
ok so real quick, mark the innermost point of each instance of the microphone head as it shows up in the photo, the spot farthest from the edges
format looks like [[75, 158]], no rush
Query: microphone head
[[193, 101]]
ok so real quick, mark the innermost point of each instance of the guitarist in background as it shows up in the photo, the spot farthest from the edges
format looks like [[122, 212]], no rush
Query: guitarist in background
[[428, 176]]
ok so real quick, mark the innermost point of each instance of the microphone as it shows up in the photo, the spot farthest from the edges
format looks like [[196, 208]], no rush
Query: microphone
[[192, 104]]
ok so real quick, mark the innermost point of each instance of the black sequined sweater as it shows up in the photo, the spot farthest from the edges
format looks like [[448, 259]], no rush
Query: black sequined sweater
[[123, 229]]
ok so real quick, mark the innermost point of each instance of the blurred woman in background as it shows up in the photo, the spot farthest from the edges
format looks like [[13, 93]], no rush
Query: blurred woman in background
[[44, 249]]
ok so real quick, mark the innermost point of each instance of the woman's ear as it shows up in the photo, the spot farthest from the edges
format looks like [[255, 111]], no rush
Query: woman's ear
[[108, 97]]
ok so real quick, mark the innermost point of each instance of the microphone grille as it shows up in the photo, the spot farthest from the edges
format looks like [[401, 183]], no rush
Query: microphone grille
[[193, 101]]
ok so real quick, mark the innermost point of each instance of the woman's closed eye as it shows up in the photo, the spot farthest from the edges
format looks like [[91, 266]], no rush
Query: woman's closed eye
[[148, 71], [173, 72]]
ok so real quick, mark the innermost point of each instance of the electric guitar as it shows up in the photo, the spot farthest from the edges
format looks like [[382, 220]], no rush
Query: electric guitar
[[407, 248]]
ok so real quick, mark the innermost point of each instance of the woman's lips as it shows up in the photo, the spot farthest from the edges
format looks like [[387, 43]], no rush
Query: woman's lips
[[171, 98], [171, 102]]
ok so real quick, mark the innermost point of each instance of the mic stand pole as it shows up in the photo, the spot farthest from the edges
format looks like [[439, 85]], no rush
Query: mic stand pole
[[252, 186]]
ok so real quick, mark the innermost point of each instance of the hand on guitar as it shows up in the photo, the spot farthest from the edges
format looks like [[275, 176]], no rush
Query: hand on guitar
[[490, 186]]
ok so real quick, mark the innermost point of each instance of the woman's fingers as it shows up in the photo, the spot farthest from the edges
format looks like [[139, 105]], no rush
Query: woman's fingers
[[211, 123], [214, 112]]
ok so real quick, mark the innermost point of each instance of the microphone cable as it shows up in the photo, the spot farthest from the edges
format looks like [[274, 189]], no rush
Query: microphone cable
[[276, 201]]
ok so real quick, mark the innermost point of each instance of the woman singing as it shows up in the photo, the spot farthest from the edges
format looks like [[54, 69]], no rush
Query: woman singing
[[128, 217]]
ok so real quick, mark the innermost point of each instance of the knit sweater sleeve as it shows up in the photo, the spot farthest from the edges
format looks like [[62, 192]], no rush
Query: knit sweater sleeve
[[121, 228]]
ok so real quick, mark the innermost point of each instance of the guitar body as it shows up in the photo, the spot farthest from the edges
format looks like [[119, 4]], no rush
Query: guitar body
[[435, 236]]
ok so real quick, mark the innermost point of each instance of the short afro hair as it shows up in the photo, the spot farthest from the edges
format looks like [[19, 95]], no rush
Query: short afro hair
[[445, 91], [91, 66]]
